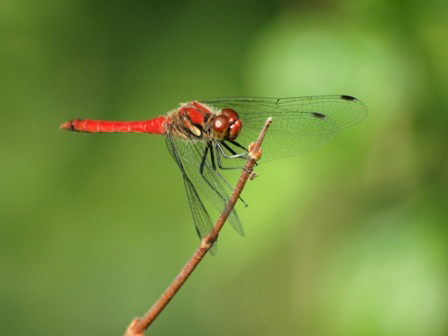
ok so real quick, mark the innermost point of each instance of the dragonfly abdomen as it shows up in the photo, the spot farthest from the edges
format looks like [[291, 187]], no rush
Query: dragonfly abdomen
[[152, 126]]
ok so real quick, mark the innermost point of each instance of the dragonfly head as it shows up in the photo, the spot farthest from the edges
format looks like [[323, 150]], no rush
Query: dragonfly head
[[227, 125]]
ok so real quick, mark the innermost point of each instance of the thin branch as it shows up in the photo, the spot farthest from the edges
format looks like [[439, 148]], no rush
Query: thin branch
[[138, 326]]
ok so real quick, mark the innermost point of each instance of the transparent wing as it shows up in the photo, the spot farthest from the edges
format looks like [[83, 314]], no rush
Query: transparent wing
[[299, 124], [203, 222], [204, 190]]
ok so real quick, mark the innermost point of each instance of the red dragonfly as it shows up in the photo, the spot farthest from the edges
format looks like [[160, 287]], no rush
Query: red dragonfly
[[209, 136]]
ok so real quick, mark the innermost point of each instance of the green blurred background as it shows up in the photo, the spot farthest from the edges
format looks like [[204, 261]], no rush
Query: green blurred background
[[350, 239]]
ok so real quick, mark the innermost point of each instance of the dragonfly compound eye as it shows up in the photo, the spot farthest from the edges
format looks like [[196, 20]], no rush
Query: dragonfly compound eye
[[235, 129], [221, 124], [231, 115]]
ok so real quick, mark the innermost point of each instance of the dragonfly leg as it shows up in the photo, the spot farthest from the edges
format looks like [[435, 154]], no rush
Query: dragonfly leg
[[234, 154], [204, 157], [213, 166], [244, 155], [220, 152], [233, 142], [212, 156], [202, 166]]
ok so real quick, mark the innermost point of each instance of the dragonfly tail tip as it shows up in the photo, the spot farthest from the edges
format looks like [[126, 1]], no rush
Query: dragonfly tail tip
[[67, 126]]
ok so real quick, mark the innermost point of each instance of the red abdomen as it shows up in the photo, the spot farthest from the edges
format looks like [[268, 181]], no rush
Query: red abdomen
[[153, 126]]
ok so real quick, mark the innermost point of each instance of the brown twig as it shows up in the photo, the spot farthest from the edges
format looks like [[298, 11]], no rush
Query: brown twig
[[138, 326]]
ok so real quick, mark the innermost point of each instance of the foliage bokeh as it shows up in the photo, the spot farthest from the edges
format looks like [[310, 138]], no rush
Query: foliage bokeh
[[350, 239]]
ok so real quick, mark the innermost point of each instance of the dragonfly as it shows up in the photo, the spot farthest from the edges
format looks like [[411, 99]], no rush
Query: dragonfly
[[207, 137]]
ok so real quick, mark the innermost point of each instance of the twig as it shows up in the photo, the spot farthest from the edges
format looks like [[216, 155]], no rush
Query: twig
[[138, 326]]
